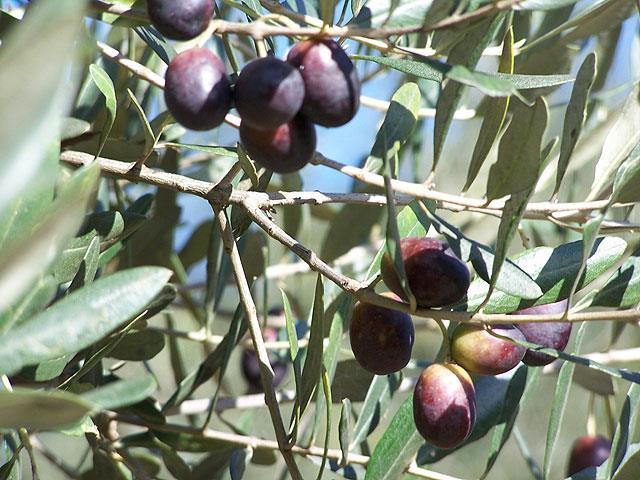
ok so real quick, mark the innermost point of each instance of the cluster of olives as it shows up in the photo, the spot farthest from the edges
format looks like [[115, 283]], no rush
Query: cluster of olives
[[278, 101], [444, 404]]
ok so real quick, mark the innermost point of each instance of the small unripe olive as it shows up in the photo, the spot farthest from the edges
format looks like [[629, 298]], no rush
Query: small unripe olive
[[480, 352]]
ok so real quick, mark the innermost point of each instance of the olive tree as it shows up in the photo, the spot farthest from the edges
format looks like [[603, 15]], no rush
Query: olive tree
[[364, 239]]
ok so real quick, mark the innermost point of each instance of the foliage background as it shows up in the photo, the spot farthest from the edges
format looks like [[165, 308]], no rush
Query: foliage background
[[170, 235]]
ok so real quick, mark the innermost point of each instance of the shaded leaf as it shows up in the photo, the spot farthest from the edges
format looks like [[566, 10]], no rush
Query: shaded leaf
[[620, 141], [40, 410], [344, 430], [147, 131], [493, 118], [507, 417], [560, 398], [626, 429], [88, 267], [575, 115], [121, 393], [105, 85], [625, 184], [32, 103], [516, 204], [312, 370], [211, 364], [397, 126], [464, 55], [623, 288], [375, 405], [518, 164], [138, 346], [29, 256], [396, 447]]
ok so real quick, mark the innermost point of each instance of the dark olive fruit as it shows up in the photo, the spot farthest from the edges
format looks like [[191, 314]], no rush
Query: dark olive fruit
[[332, 88], [180, 20], [444, 405], [268, 93], [381, 338], [286, 149], [475, 349], [251, 366], [435, 275], [547, 334], [197, 90], [588, 451]]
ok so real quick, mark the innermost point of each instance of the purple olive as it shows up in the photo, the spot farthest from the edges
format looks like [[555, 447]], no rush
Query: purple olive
[[268, 93], [332, 88], [444, 405], [588, 451], [180, 20], [286, 149], [197, 90], [547, 334], [435, 275], [251, 365], [478, 351], [381, 338]]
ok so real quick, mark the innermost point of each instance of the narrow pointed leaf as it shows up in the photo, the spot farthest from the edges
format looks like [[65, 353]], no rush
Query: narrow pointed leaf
[[518, 164], [554, 271], [500, 84], [34, 83], [121, 393], [560, 398], [105, 85], [82, 318], [466, 53], [575, 115], [620, 141], [397, 126], [312, 370], [27, 257], [39, 410], [493, 117]]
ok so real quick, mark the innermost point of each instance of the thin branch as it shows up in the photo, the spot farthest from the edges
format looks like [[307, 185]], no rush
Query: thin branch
[[405, 191], [261, 444], [416, 190], [368, 295], [266, 372], [220, 197], [260, 30]]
